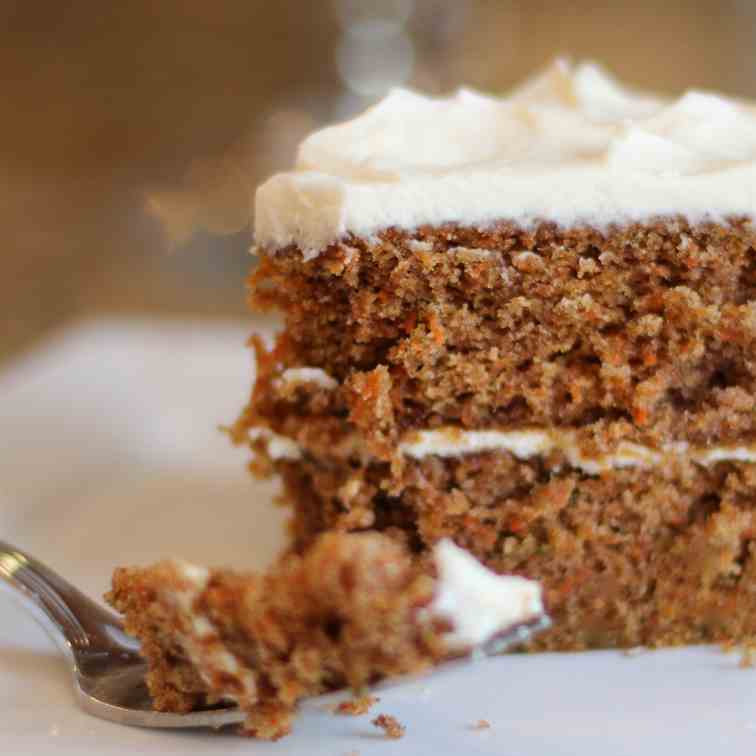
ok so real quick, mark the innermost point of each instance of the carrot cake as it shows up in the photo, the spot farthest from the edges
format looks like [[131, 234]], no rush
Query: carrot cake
[[354, 608], [520, 330], [528, 325]]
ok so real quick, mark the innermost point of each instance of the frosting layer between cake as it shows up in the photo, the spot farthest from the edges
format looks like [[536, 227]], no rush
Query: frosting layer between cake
[[530, 443]]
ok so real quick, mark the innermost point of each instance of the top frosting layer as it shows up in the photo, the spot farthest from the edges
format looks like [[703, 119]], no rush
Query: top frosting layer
[[570, 146]]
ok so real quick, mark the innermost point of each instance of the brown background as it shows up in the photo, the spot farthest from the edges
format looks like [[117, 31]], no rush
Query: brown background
[[133, 133]]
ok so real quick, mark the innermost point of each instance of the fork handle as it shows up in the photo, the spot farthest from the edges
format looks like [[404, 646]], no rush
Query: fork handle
[[74, 621]]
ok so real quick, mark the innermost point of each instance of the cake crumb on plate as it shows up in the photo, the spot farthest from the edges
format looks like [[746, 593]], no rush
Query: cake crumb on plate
[[390, 725], [634, 651], [355, 707], [748, 656]]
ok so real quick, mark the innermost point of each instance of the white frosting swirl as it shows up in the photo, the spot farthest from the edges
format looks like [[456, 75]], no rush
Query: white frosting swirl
[[479, 603], [571, 146]]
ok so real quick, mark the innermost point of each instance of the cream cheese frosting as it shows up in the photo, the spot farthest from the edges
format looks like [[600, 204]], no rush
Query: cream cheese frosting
[[478, 603], [318, 376], [571, 146], [278, 446], [528, 443], [201, 640]]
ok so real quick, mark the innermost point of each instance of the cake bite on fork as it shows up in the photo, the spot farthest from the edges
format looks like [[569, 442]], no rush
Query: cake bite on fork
[[352, 610]]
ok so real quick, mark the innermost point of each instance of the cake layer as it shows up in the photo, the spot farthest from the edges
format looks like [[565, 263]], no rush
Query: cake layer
[[645, 332], [631, 556]]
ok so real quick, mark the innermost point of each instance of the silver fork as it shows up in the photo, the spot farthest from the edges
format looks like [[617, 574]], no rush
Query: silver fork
[[108, 673]]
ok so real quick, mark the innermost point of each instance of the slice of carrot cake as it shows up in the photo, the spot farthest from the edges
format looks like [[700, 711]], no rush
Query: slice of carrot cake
[[528, 325], [353, 609]]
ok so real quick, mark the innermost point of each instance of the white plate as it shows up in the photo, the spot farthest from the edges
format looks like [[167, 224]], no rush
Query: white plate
[[111, 456]]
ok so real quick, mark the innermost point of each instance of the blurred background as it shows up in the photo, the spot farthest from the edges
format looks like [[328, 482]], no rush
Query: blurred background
[[134, 133]]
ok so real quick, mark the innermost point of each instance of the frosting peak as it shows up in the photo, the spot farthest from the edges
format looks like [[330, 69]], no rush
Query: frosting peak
[[409, 133], [570, 146]]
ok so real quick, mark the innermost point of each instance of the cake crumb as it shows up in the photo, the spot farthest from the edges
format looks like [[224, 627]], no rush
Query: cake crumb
[[356, 707], [634, 651], [748, 656], [390, 725], [482, 724]]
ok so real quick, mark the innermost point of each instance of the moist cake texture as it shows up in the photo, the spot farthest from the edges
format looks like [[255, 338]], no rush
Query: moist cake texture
[[531, 330]]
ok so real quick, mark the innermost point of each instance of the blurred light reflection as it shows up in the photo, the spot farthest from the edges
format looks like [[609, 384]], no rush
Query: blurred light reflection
[[375, 51]]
